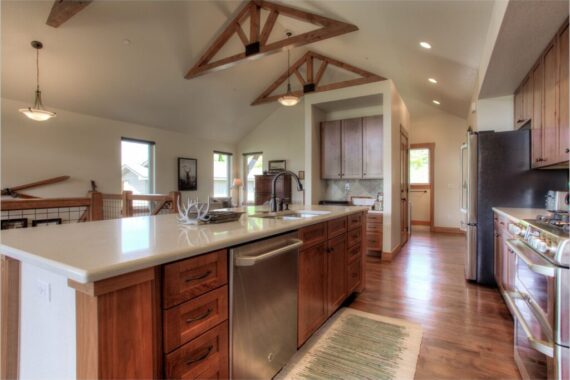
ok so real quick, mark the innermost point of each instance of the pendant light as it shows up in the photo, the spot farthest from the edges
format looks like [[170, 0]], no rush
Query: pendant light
[[288, 99], [38, 112]]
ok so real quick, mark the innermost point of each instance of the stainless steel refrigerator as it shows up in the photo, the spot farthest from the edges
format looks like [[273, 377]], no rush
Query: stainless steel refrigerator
[[496, 172]]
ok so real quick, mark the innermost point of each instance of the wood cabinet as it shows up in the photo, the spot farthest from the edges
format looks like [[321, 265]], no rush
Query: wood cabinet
[[351, 154], [504, 258], [331, 150], [372, 143], [543, 98], [330, 269], [263, 184], [374, 230], [352, 148]]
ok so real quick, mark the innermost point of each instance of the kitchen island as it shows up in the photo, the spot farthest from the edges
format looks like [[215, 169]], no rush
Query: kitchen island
[[138, 281]]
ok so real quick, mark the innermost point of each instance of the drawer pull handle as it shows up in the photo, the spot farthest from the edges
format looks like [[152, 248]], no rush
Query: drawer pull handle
[[199, 317], [199, 277], [201, 357]]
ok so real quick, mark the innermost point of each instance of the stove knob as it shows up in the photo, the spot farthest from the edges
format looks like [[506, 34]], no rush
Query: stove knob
[[541, 246]]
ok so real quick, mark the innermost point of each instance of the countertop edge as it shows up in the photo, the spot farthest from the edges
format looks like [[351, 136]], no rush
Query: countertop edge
[[507, 212], [87, 276]]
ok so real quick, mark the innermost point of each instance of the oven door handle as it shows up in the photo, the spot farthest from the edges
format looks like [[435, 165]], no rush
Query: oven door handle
[[540, 345], [545, 270]]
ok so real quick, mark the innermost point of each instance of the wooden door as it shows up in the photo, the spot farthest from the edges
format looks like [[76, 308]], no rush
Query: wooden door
[[528, 96], [536, 132], [563, 134], [330, 150], [373, 147], [404, 186], [336, 258], [550, 126], [313, 305], [351, 140]]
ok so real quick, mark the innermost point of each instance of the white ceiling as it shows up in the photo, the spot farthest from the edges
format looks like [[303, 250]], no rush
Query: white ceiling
[[527, 28], [86, 67]]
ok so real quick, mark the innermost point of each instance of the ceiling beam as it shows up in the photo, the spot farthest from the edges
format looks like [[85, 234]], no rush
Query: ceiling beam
[[259, 35], [312, 84], [63, 10]]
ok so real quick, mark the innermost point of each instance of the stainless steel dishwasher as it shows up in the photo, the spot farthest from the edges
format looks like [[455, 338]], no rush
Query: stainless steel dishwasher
[[263, 306]]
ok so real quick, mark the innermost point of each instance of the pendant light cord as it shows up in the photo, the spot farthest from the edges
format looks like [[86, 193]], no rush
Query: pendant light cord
[[37, 69]]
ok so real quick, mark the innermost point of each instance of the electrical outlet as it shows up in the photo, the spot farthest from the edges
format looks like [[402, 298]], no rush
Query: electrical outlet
[[43, 290]]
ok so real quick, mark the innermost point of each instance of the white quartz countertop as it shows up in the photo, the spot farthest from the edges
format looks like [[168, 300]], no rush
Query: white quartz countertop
[[518, 214], [86, 252]]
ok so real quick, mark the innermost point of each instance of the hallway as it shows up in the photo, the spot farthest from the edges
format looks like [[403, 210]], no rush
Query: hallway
[[468, 331]]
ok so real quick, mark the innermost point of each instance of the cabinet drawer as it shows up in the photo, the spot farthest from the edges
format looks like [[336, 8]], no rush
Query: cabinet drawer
[[190, 319], [374, 227], [354, 275], [187, 279], [314, 234], [206, 354], [374, 218], [354, 221], [374, 241], [336, 227], [354, 253], [354, 237]]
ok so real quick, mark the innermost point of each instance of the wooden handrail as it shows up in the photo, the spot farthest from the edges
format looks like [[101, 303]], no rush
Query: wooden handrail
[[41, 203]]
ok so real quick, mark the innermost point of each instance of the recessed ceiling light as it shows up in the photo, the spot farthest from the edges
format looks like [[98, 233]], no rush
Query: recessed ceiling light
[[432, 80], [425, 45], [436, 102]]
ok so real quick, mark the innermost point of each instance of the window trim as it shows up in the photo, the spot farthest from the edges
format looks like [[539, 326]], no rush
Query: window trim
[[152, 161], [229, 169], [244, 176]]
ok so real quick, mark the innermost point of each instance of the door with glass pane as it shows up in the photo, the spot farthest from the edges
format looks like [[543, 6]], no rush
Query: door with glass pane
[[253, 165], [421, 184]]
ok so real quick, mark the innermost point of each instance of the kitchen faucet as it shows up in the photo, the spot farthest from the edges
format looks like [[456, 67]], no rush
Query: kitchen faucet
[[273, 203]]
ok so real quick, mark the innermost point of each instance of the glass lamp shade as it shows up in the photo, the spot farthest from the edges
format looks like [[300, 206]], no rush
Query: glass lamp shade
[[288, 100], [37, 114]]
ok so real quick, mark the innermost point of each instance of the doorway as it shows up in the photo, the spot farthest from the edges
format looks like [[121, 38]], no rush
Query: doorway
[[422, 185], [404, 187]]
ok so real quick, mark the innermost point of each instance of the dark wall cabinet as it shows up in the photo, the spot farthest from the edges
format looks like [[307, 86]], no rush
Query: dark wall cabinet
[[542, 97]]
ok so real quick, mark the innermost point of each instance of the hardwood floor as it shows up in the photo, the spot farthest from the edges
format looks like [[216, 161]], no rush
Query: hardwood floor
[[468, 331]]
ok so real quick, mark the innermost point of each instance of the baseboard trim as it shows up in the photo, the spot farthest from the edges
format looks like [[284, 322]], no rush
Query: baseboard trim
[[421, 223], [447, 230], [389, 256]]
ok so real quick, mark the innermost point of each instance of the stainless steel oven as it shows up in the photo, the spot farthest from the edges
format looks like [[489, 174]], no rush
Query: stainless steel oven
[[539, 302]]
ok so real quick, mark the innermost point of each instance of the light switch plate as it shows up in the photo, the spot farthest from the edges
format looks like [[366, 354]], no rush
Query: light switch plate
[[43, 289]]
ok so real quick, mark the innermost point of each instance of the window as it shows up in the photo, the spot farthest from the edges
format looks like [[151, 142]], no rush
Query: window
[[222, 174], [253, 165], [419, 166], [137, 166]]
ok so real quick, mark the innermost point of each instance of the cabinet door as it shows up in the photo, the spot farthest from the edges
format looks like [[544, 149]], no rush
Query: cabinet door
[[564, 136], [336, 257], [528, 97], [373, 147], [330, 150], [518, 105], [351, 139], [550, 127], [536, 136], [313, 305], [498, 261]]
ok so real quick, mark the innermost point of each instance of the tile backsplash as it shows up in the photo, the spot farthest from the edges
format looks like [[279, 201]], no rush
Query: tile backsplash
[[340, 190]]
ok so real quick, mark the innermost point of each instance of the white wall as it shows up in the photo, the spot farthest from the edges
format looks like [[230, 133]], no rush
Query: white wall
[[47, 332], [448, 133], [280, 137], [495, 114], [86, 147]]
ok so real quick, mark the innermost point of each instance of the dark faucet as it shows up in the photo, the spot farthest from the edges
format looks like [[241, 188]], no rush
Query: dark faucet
[[273, 203]]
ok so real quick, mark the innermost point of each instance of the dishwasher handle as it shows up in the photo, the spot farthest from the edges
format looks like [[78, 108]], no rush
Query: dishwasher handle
[[248, 261]]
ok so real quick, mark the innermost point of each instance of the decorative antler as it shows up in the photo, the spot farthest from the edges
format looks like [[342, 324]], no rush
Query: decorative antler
[[193, 212]]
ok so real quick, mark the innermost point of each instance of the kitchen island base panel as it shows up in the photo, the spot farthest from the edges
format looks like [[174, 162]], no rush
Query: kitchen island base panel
[[9, 317]]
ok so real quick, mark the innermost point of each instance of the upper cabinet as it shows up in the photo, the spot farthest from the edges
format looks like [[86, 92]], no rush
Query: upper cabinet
[[543, 98], [352, 148]]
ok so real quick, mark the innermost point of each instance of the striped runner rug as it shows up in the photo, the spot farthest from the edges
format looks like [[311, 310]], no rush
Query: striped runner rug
[[358, 345]]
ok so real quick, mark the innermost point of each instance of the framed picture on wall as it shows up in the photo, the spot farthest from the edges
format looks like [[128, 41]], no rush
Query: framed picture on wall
[[187, 174], [45, 222], [277, 166], [9, 224]]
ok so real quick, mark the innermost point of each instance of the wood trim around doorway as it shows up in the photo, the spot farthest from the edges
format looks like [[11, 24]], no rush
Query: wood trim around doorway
[[430, 186]]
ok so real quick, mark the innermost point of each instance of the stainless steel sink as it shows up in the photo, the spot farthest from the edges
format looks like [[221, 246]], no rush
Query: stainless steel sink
[[289, 215]]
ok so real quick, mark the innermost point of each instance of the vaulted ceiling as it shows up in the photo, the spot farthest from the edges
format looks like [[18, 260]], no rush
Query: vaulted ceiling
[[126, 60]]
